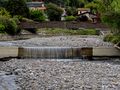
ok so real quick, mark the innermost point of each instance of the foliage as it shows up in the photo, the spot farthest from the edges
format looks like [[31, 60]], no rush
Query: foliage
[[113, 20], [112, 38], [54, 12], [70, 18], [18, 18], [37, 15], [71, 11], [3, 12], [3, 3], [71, 3], [116, 5], [10, 26], [2, 28], [92, 6], [104, 5], [58, 31], [17, 7], [28, 0]]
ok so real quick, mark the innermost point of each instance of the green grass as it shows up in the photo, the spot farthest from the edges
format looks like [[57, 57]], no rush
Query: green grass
[[112, 38], [58, 31]]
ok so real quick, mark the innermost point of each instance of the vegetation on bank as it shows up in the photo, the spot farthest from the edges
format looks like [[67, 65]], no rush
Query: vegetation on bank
[[112, 38], [14, 11], [58, 31]]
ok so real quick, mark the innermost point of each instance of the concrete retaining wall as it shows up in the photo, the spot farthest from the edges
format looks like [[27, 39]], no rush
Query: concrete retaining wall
[[8, 52], [106, 52]]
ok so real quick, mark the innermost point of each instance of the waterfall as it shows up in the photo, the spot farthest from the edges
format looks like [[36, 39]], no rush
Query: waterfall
[[50, 52]]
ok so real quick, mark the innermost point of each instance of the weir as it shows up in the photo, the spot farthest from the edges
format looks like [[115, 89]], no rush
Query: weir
[[58, 52], [52, 52]]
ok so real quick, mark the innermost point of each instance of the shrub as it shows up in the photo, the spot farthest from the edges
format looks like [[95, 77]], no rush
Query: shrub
[[3, 3], [71, 11], [70, 18], [18, 17], [112, 38], [113, 20], [37, 15], [54, 12], [115, 39], [2, 28], [17, 7], [9, 24], [108, 37], [3, 12]]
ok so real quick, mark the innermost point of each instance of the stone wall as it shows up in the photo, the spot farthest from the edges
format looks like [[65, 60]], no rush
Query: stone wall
[[60, 24]]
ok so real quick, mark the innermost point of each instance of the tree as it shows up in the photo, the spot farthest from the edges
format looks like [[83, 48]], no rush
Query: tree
[[37, 15], [110, 14], [3, 3], [71, 11], [54, 12], [17, 7], [8, 25]]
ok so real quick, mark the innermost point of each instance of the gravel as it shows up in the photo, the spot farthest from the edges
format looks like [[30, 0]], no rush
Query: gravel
[[63, 41], [64, 75]]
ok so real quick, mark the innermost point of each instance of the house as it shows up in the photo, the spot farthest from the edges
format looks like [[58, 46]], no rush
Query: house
[[88, 14], [37, 4], [83, 10]]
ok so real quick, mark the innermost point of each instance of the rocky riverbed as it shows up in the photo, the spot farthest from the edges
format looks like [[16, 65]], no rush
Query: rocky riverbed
[[62, 41], [64, 75]]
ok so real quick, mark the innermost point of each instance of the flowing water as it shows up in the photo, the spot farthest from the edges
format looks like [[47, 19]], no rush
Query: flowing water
[[50, 52]]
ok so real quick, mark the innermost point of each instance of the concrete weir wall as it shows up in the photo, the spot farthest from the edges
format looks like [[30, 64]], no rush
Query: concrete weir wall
[[8, 52], [26, 52], [106, 52]]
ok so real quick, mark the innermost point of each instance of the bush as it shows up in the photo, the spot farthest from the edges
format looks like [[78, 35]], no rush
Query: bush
[[37, 15], [115, 40], [108, 37], [2, 28], [54, 12], [71, 11], [10, 26], [3, 12], [112, 38], [18, 17], [113, 20], [17, 7], [3, 3], [70, 18]]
